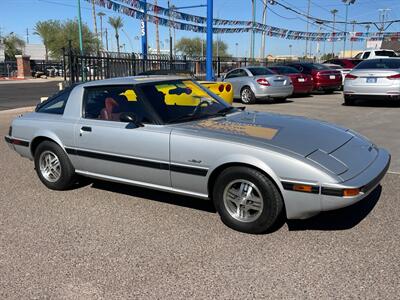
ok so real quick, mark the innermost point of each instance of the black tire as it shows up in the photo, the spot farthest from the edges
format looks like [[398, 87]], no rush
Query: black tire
[[67, 175], [247, 96], [329, 91], [271, 198], [349, 101]]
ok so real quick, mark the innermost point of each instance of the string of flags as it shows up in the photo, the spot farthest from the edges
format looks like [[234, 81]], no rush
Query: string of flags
[[168, 17]]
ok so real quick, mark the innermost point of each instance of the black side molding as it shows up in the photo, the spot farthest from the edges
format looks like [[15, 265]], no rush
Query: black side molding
[[16, 141]]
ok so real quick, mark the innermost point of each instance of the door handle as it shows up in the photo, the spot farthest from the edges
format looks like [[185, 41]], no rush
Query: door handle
[[86, 128]]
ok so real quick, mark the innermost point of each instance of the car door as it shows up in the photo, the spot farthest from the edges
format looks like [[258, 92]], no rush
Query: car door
[[107, 147]]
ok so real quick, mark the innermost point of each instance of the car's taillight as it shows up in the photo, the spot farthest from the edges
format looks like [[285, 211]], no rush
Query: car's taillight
[[394, 77], [263, 81], [351, 77], [228, 88], [221, 88]]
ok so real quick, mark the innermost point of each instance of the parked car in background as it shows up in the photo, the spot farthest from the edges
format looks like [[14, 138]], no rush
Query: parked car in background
[[344, 65], [373, 79], [302, 83], [325, 79], [252, 83], [344, 72], [371, 54], [255, 167]]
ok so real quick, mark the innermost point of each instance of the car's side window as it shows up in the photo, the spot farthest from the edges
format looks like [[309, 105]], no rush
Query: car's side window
[[232, 74], [358, 56], [109, 102], [55, 104], [242, 73], [366, 55]]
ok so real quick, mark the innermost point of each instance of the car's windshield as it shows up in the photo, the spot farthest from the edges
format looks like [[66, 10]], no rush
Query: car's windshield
[[318, 66], [379, 64], [385, 53], [183, 100], [285, 70], [260, 71]]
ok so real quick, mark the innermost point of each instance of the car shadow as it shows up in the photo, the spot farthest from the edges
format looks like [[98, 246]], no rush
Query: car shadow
[[154, 195], [266, 101], [376, 103], [341, 219]]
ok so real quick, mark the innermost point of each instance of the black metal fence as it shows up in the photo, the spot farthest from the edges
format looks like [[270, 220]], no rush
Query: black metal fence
[[8, 69], [77, 67]]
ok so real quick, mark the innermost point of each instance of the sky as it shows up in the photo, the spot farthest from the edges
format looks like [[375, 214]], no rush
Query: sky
[[18, 16]]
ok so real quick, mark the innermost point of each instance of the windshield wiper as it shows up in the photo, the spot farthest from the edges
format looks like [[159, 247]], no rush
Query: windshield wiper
[[186, 118]]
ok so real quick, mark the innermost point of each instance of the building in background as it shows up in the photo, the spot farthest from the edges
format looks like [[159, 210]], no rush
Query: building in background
[[391, 45], [35, 51]]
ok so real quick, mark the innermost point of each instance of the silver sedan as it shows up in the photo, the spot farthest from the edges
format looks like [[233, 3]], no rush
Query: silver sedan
[[252, 83], [373, 79], [174, 135]]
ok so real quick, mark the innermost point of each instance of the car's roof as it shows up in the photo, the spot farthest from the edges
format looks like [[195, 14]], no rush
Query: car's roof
[[132, 80]]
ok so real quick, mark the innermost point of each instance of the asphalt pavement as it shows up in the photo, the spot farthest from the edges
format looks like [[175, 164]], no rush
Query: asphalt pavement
[[110, 241], [25, 93]]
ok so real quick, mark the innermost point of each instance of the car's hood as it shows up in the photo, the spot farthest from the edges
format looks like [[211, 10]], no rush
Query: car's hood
[[296, 134], [316, 140]]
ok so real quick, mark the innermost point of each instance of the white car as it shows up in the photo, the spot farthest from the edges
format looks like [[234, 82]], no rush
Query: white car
[[378, 53]]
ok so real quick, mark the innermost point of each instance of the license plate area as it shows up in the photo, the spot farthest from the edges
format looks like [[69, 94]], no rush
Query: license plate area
[[371, 79], [332, 76], [301, 80]]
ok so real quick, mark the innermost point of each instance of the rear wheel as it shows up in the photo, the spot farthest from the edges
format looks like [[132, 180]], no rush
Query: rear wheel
[[330, 91], [247, 200], [247, 96], [53, 166]]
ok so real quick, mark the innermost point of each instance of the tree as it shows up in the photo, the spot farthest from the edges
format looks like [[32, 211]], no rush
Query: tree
[[326, 56], [48, 31], [69, 32], [117, 23], [13, 45], [192, 47]]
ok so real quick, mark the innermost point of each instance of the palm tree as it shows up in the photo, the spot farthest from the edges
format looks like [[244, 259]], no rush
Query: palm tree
[[117, 24], [47, 30], [13, 45]]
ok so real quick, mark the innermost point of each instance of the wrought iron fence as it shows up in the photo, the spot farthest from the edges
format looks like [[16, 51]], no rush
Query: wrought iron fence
[[105, 65], [8, 69]]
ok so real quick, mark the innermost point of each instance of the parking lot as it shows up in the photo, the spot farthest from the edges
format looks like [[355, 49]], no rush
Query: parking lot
[[110, 241]]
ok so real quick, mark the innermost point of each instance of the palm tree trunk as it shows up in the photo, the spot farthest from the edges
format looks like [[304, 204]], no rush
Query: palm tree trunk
[[46, 55], [117, 38]]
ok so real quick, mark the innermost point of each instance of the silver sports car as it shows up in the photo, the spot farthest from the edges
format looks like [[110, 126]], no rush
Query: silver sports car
[[373, 79], [174, 135], [252, 83]]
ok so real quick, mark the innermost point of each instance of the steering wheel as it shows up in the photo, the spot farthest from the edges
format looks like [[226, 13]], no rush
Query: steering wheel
[[196, 110]]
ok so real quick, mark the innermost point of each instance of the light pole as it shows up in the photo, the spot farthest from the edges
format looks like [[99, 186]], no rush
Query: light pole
[[351, 42], [209, 51], [308, 14], [333, 12], [101, 15], [366, 39], [347, 4], [253, 32]]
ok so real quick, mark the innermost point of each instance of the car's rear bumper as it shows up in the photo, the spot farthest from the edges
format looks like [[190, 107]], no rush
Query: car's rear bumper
[[301, 205], [274, 92], [328, 85]]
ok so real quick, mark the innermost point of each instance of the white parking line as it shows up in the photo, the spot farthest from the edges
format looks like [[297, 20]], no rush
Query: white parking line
[[393, 172]]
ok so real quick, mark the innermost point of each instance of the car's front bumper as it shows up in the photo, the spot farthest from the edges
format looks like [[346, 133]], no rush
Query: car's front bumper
[[301, 205]]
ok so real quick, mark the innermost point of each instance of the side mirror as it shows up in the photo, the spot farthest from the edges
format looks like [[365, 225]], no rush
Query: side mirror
[[130, 118]]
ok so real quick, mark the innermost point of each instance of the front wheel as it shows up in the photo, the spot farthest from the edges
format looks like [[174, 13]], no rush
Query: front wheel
[[247, 200], [53, 167], [247, 96]]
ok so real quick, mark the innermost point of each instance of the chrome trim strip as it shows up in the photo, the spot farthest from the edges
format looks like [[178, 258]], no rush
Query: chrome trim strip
[[142, 184]]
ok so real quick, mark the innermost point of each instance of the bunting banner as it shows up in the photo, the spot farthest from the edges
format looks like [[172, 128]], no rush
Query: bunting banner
[[167, 17]]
